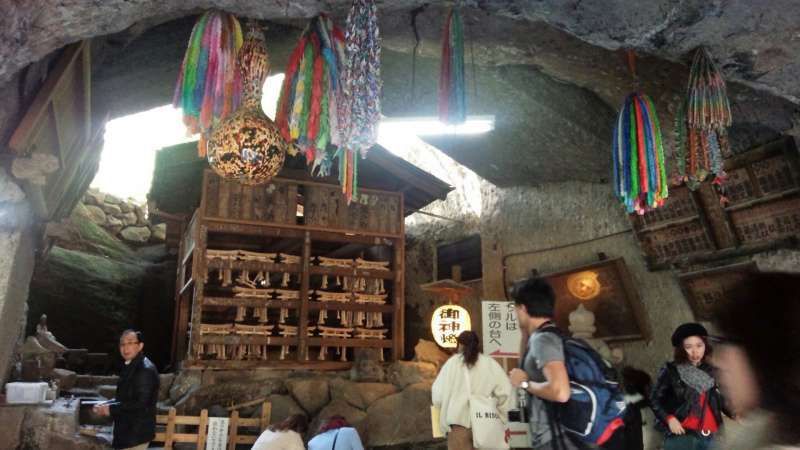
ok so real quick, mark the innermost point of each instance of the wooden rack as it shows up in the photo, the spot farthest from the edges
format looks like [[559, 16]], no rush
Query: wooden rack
[[276, 275], [762, 212]]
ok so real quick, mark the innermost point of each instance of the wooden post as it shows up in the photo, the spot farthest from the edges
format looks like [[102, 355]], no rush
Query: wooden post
[[233, 430], [266, 415], [456, 273], [305, 280], [170, 429], [399, 289], [202, 430], [199, 276]]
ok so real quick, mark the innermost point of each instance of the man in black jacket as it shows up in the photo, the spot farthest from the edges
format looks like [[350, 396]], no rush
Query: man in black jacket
[[134, 408]]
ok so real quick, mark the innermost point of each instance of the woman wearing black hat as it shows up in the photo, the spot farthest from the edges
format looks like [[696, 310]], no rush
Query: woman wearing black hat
[[686, 399]]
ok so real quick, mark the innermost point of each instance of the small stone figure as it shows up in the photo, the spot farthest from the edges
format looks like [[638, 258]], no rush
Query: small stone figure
[[581, 325], [46, 338]]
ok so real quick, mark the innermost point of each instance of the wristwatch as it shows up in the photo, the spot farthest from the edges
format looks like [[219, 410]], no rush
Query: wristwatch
[[524, 385]]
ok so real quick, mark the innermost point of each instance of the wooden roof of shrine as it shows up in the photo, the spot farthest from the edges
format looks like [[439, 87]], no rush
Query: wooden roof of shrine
[[178, 175]]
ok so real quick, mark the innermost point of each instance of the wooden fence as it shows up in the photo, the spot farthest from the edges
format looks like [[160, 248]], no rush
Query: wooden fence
[[172, 435]]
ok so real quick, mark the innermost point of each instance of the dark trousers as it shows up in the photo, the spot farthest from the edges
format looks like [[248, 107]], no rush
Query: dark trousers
[[688, 441]]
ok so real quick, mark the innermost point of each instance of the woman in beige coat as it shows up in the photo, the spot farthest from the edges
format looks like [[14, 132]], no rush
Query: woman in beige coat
[[451, 395]]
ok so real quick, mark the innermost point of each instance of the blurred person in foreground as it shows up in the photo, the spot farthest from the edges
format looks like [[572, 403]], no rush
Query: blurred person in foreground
[[759, 365], [284, 435], [336, 434]]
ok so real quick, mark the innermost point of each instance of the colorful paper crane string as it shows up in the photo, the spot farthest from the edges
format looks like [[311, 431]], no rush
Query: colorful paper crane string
[[701, 135], [209, 84], [452, 98], [640, 178], [307, 112], [360, 108], [708, 107]]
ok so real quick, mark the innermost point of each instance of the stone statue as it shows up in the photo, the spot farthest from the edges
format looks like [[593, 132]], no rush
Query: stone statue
[[581, 325], [46, 338]]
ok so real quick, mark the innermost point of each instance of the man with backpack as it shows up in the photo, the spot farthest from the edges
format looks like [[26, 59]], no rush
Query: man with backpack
[[573, 400]]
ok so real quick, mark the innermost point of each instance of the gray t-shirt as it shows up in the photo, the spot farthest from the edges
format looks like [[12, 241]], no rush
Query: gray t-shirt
[[543, 347]]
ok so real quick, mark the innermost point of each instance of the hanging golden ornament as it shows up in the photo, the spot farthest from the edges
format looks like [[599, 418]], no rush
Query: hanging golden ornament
[[247, 146]]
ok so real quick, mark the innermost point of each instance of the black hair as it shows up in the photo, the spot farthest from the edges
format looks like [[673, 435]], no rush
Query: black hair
[[760, 316], [471, 347], [536, 295], [139, 335]]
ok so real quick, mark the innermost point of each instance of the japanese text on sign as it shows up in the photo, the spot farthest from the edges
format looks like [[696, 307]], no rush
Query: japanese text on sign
[[217, 436], [447, 323], [501, 333]]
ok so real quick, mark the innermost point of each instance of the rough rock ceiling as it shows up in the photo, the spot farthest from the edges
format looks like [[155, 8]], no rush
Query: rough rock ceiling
[[549, 70]]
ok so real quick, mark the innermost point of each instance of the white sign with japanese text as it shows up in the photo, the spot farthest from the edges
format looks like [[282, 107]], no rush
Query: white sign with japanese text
[[217, 436], [501, 334]]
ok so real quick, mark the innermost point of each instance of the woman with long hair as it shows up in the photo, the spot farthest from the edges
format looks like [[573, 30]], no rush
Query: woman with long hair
[[284, 435], [336, 434], [451, 394], [686, 398], [759, 369]]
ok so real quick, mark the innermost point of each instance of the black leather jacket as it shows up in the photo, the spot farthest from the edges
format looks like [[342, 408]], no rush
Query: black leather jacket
[[672, 397], [134, 412]]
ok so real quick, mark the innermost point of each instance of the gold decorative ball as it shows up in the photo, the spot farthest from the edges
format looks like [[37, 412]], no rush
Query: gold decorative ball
[[247, 147]]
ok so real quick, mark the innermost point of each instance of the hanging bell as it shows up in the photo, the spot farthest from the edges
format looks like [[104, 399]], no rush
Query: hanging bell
[[247, 146]]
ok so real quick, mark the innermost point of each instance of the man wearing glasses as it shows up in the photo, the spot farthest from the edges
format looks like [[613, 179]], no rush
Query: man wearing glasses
[[134, 408]]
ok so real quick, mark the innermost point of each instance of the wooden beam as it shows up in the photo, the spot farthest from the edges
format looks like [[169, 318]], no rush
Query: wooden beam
[[347, 250], [270, 364], [349, 342], [24, 132], [305, 280]]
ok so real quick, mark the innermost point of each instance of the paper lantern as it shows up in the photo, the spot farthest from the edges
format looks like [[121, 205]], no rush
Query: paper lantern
[[447, 323], [248, 147]]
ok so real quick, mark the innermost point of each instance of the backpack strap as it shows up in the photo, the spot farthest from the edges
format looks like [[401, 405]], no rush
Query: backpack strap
[[335, 437]]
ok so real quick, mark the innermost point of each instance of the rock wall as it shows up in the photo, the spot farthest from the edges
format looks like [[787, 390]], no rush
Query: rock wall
[[125, 219], [17, 244], [92, 286], [387, 403]]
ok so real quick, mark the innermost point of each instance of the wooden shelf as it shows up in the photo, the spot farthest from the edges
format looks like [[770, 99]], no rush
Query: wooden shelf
[[347, 272], [235, 217], [667, 224], [765, 199], [259, 266], [223, 225], [349, 342], [238, 339], [336, 306], [287, 364], [251, 302]]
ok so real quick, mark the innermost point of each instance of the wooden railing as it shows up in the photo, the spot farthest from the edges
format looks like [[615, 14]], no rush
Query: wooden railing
[[172, 435]]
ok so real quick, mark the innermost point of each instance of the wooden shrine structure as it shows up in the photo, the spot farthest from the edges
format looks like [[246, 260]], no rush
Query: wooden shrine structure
[[760, 212], [287, 274]]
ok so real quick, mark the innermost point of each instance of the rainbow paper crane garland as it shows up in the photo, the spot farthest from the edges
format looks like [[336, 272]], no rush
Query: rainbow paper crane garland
[[307, 112], [640, 179], [701, 135], [209, 84], [452, 98], [360, 108]]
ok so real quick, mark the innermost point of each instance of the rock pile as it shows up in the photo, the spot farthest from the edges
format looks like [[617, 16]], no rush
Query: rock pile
[[393, 413], [123, 218]]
